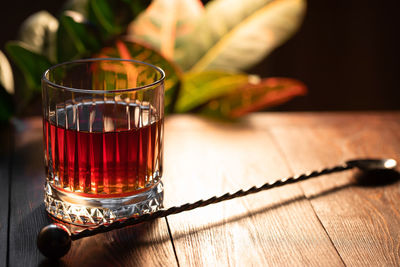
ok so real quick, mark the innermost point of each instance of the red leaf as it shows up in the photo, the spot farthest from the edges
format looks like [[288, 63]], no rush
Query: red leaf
[[252, 97]]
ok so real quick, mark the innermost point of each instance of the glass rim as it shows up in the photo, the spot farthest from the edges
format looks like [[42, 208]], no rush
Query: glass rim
[[80, 90]]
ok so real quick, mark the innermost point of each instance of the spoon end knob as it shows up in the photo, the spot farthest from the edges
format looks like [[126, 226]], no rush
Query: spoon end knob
[[54, 241]]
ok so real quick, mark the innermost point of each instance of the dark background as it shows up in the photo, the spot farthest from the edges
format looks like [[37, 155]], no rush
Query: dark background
[[346, 52]]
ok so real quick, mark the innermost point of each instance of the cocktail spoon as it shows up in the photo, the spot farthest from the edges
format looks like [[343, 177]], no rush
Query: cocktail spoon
[[54, 240]]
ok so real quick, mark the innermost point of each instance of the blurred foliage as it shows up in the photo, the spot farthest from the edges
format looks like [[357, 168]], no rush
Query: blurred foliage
[[204, 50], [31, 64]]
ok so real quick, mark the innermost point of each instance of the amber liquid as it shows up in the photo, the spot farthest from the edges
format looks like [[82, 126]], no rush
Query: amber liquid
[[104, 163]]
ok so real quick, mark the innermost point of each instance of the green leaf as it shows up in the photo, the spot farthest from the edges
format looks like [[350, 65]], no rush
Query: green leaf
[[137, 6], [76, 37], [31, 64], [6, 74], [165, 23], [200, 87], [254, 96], [39, 32], [129, 50], [236, 34], [113, 16]]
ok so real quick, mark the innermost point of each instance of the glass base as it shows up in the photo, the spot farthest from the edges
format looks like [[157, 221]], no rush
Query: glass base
[[86, 211]]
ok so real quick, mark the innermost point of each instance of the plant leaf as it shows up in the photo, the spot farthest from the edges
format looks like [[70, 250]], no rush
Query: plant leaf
[[6, 74], [236, 34], [39, 32], [31, 64], [252, 97], [129, 50], [200, 87], [75, 37], [137, 6], [113, 16], [165, 23], [80, 6]]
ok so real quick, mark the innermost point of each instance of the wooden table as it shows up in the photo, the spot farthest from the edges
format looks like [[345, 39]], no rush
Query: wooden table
[[330, 220]]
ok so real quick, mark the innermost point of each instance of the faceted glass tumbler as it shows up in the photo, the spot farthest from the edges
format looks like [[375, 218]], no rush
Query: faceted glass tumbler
[[103, 140]]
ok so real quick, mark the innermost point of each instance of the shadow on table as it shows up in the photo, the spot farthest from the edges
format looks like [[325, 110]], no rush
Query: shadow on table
[[121, 245], [115, 248], [375, 178], [26, 232]]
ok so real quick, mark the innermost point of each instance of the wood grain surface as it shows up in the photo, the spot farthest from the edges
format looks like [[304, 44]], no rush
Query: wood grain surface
[[277, 227], [5, 161], [332, 220], [362, 221]]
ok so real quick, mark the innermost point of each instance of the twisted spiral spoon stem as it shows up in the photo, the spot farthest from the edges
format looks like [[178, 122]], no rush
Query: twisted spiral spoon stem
[[54, 240]]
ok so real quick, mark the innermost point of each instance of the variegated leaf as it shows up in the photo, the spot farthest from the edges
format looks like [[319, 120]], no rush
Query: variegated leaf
[[254, 96], [165, 23], [236, 34], [200, 87]]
